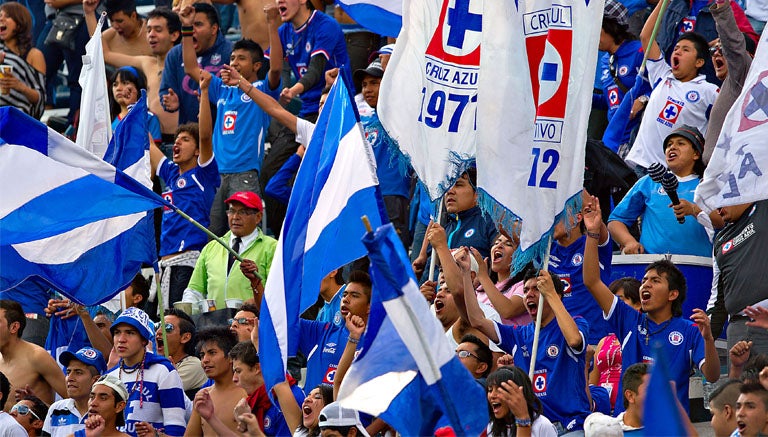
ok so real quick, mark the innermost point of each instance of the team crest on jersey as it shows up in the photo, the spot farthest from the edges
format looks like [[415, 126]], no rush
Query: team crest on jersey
[[245, 98], [613, 96], [168, 197], [267, 422], [540, 383], [566, 280], [676, 338], [181, 183], [308, 47], [692, 96], [688, 24], [469, 233], [553, 351], [670, 112], [228, 124], [337, 318], [330, 375], [727, 246], [215, 59], [623, 70], [577, 259]]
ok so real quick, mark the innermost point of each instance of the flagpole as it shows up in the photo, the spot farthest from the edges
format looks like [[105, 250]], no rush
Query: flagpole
[[209, 233], [655, 31], [162, 313], [537, 331], [453, 415], [433, 259]]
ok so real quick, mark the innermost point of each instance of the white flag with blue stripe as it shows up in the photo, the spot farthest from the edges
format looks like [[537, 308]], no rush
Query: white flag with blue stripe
[[336, 184], [67, 216], [382, 17], [407, 374]]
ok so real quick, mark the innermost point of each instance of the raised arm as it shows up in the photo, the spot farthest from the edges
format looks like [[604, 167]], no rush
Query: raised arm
[[89, 11], [506, 307], [591, 268], [564, 320], [437, 238], [469, 307], [288, 405], [187, 17], [645, 34], [205, 121], [356, 326], [275, 46]]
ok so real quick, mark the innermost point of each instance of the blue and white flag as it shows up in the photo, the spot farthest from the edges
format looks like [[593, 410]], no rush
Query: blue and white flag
[[736, 172], [661, 412], [532, 126], [428, 98], [336, 184], [66, 214], [94, 130], [382, 17], [407, 373]]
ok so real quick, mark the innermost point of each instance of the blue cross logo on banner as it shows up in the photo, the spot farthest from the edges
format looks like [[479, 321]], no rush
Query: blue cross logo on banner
[[460, 21], [755, 106]]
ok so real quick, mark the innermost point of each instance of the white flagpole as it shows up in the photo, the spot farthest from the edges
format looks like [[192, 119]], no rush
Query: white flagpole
[[535, 349], [433, 259]]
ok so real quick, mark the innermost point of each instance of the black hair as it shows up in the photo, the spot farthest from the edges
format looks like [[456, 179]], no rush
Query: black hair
[[186, 325], [362, 278], [726, 394], [630, 286], [618, 32], [675, 280], [209, 11], [699, 43], [484, 354], [139, 80], [246, 353], [756, 388], [326, 391], [251, 308], [520, 378], [339, 276], [257, 54], [39, 407], [632, 378], [221, 335], [5, 390], [190, 128], [172, 21], [556, 281], [127, 7], [472, 176], [140, 285], [753, 366], [14, 313]]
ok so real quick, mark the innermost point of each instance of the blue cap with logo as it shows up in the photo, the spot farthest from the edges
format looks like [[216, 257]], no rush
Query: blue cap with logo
[[87, 355], [139, 320]]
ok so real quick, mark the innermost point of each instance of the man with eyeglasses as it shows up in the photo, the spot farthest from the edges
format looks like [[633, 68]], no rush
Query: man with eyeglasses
[[244, 322], [179, 338], [28, 413], [83, 368], [8, 425], [218, 275], [476, 356]]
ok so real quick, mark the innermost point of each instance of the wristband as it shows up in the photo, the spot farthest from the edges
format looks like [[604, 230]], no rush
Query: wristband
[[187, 31], [595, 235], [523, 423], [353, 340]]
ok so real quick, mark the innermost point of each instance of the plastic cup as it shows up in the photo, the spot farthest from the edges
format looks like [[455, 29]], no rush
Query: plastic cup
[[5, 70], [234, 303]]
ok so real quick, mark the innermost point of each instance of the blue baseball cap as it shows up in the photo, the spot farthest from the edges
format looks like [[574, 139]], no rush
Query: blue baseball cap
[[138, 319], [88, 356]]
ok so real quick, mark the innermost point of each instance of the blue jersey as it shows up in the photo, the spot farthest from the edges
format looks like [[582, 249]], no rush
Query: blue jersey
[[331, 311], [625, 65], [471, 228], [681, 339], [240, 128], [558, 379], [274, 421], [320, 35], [392, 171], [567, 263], [192, 192], [323, 344], [153, 126], [660, 231]]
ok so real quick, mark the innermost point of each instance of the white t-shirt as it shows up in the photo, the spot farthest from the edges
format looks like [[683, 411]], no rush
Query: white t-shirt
[[9, 427], [672, 104], [304, 131], [541, 427]]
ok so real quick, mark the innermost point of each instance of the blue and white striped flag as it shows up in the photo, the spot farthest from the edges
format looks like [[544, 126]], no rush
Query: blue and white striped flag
[[336, 184], [382, 17], [407, 373], [67, 216]]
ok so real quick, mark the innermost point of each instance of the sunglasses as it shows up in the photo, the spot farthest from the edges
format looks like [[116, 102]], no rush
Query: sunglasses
[[239, 320], [23, 410], [715, 48], [465, 354], [168, 327]]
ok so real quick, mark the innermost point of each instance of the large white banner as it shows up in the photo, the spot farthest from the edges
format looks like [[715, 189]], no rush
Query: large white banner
[[428, 100], [736, 172], [95, 127], [534, 97]]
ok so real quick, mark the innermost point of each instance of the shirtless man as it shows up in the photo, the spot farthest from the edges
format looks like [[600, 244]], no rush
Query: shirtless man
[[215, 344], [163, 30], [253, 21], [28, 366], [128, 29]]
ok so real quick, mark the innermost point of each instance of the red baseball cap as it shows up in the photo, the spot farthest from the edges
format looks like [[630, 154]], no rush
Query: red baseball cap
[[247, 198]]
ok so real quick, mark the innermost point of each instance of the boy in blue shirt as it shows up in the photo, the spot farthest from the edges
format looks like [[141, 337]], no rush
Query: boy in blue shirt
[[662, 293]]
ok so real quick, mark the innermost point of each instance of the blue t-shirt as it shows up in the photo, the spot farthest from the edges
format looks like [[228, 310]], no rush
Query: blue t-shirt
[[471, 228], [567, 263], [558, 379], [274, 421], [192, 192], [660, 231], [321, 35], [392, 171], [681, 339], [240, 128], [153, 126], [322, 344], [331, 311]]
